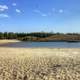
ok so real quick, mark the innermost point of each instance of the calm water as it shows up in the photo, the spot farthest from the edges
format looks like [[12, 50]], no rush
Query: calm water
[[43, 44]]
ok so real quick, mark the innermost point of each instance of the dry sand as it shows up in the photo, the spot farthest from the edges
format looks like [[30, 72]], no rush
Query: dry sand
[[63, 52]]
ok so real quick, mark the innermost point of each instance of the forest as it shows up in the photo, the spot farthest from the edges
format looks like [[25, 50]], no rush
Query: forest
[[41, 36]]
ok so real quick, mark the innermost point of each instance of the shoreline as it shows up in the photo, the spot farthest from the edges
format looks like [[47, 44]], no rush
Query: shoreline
[[4, 43]]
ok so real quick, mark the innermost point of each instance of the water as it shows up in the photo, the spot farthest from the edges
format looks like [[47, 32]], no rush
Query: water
[[43, 44]]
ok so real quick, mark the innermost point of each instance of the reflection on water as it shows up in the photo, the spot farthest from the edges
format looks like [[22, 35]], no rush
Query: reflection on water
[[42, 44]]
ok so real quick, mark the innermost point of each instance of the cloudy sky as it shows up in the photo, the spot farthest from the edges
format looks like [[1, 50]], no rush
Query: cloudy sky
[[40, 15]]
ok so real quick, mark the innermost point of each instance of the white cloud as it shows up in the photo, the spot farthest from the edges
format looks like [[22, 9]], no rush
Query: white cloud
[[40, 12], [1, 10], [61, 11], [18, 11], [4, 16], [3, 7], [14, 4]]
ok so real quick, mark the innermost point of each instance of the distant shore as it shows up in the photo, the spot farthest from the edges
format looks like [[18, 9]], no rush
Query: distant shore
[[42, 36], [5, 41]]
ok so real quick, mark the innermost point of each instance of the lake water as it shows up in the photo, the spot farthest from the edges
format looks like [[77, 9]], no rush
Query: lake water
[[43, 44]]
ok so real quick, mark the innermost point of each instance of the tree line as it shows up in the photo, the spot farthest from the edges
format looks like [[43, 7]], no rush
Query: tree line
[[41, 36]]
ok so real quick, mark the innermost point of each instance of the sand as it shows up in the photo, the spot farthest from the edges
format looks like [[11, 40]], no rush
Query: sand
[[64, 52], [5, 41]]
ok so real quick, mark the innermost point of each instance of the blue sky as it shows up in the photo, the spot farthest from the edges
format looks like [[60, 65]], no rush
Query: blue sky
[[40, 15]]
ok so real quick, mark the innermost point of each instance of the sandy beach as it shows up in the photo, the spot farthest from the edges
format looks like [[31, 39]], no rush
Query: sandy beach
[[39, 63]]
